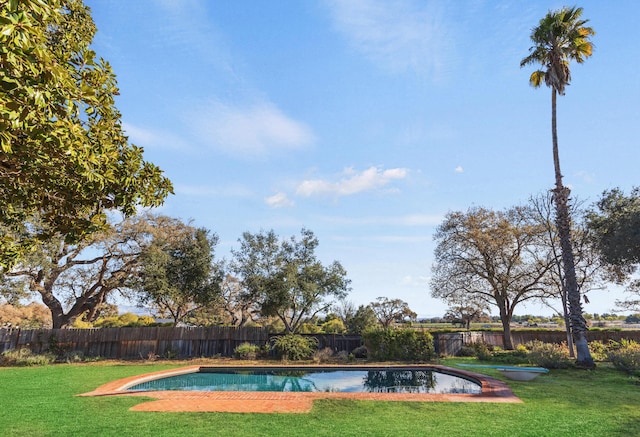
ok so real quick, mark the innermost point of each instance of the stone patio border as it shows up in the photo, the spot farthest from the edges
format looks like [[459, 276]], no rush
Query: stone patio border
[[493, 390]]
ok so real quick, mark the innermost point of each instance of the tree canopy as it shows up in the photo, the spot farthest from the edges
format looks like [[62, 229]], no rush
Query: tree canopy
[[178, 275], [493, 257], [285, 278], [63, 152], [614, 223], [390, 311]]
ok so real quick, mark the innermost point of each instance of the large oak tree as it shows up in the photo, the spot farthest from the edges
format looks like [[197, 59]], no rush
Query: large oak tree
[[492, 257]]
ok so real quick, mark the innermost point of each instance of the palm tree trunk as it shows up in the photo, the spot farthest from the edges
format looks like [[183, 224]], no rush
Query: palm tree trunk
[[563, 222]]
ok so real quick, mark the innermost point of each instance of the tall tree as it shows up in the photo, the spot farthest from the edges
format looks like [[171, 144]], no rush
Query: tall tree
[[493, 258], [286, 279], [178, 275], [63, 153], [562, 37], [614, 222]]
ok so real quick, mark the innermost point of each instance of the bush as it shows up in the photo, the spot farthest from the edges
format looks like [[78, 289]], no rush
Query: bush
[[625, 356], [247, 351], [322, 356], [598, 350], [399, 344], [24, 357], [295, 347], [360, 352], [550, 355]]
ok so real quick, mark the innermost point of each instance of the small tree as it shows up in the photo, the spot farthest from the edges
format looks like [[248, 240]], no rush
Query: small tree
[[390, 311]]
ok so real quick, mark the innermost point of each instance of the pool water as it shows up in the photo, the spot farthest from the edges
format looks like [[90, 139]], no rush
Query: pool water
[[314, 380]]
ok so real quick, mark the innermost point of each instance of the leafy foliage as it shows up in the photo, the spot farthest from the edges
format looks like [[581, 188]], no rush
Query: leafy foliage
[[295, 347], [549, 355], [625, 356], [399, 345], [614, 224], [24, 357], [285, 279], [178, 275], [247, 351], [64, 153]]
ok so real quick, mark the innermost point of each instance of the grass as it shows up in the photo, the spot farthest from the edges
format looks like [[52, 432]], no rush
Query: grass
[[40, 401]]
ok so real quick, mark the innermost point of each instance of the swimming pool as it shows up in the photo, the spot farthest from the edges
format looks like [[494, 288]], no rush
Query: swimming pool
[[305, 379], [493, 390]]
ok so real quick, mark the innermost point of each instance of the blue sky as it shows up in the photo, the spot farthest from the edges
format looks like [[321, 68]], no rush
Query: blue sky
[[366, 121]]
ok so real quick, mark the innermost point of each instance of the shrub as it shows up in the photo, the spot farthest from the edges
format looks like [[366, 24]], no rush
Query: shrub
[[247, 351], [323, 355], [399, 344], [360, 352], [598, 350], [466, 351], [295, 347], [24, 357], [483, 351], [550, 355], [625, 356]]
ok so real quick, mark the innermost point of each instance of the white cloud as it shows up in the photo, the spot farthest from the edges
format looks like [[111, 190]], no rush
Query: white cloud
[[353, 182], [279, 200], [157, 139], [249, 131], [459, 169], [397, 35]]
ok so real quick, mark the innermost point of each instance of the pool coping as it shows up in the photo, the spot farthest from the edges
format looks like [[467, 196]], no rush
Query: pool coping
[[493, 390]]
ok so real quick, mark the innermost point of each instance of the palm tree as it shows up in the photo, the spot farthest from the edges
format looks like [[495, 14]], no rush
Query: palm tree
[[562, 37]]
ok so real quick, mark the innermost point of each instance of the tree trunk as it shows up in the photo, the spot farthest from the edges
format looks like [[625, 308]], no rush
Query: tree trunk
[[505, 318], [561, 200]]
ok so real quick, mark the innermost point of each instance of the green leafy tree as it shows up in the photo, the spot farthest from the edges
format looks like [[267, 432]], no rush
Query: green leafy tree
[[360, 320], [178, 275], [493, 258], [562, 37], [614, 224], [64, 155], [285, 278]]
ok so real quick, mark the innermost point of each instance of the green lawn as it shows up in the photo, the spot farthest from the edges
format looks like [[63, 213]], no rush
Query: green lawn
[[40, 401]]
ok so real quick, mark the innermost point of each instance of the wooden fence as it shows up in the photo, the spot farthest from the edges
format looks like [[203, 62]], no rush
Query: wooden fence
[[128, 343], [145, 342], [451, 343]]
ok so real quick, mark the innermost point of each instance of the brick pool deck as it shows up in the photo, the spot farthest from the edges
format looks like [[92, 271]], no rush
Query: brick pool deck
[[493, 390]]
